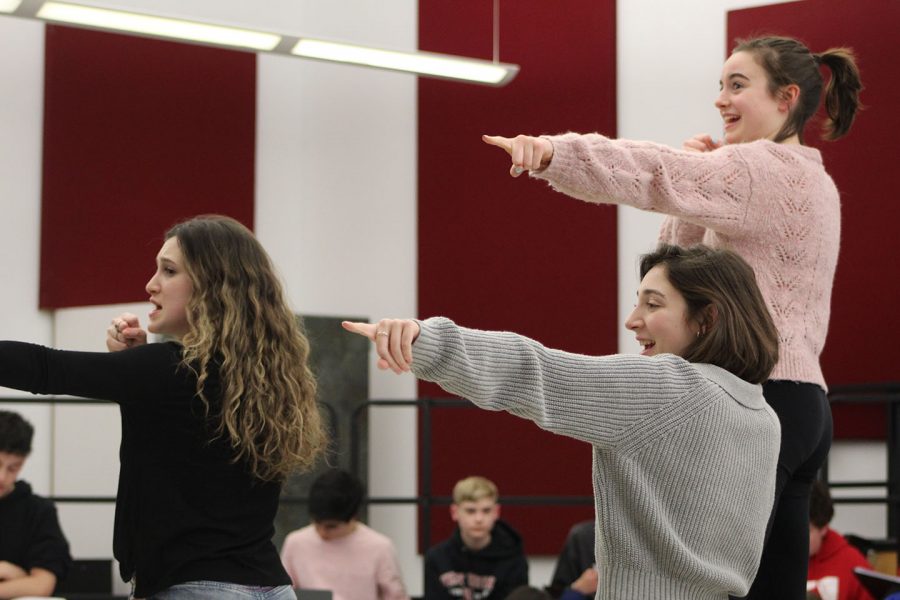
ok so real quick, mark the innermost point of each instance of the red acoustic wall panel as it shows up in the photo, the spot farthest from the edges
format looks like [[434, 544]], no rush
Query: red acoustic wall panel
[[863, 325], [138, 134], [503, 253]]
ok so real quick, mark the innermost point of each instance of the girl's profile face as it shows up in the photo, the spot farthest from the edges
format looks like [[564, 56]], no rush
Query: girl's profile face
[[659, 319], [170, 291], [748, 110]]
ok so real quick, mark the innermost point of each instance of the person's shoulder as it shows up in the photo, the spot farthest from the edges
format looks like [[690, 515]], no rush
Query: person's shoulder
[[746, 393], [505, 536], [24, 494], [375, 538], [838, 544], [441, 548], [164, 348], [788, 155], [582, 528], [301, 536], [165, 355]]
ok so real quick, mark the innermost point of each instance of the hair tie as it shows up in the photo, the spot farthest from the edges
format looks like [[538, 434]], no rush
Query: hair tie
[[817, 58]]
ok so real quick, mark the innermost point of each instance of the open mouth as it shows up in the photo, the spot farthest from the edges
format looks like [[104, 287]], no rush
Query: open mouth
[[647, 346]]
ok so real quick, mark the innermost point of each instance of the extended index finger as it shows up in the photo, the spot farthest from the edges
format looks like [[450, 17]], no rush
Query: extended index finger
[[363, 329], [499, 141]]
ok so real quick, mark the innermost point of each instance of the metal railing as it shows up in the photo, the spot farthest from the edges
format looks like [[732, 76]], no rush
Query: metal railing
[[887, 394]]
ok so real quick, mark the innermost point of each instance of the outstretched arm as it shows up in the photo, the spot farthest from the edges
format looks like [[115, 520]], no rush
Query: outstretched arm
[[594, 399], [145, 372], [704, 183]]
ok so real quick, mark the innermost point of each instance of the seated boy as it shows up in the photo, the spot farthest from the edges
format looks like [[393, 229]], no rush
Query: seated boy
[[339, 553], [33, 551], [575, 576], [830, 555], [484, 558]]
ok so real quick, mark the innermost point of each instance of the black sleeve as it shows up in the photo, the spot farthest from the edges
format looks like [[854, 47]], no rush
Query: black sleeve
[[48, 548], [434, 589], [142, 372]]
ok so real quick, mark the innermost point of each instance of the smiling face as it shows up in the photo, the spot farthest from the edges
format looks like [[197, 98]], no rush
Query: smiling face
[[170, 291], [748, 109], [660, 318]]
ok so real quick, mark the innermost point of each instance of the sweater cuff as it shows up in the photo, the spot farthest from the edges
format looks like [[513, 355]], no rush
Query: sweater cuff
[[426, 349], [564, 159]]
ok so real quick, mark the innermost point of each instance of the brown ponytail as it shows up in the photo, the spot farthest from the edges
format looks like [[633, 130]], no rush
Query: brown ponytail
[[842, 92], [788, 62]]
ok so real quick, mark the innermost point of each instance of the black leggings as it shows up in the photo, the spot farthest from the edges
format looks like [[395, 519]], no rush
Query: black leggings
[[805, 417]]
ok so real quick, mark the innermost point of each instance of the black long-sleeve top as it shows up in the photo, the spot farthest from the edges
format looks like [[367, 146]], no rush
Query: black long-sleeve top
[[184, 510]]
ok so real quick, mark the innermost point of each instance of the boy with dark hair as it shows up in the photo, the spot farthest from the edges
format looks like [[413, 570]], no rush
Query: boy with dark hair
[[338, 552], [575, 576], [830, 555], [484, 558], [34, 553]]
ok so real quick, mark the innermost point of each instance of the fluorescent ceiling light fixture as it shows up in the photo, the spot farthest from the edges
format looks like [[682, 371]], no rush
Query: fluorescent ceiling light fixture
[[9, 6], [424, 63], [429, 64], [178, 29]]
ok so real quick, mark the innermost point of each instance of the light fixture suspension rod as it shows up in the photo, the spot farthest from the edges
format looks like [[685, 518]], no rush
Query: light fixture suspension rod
[[496, 31]]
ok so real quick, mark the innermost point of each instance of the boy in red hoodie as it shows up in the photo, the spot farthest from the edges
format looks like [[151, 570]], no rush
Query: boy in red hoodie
[[830, 555]]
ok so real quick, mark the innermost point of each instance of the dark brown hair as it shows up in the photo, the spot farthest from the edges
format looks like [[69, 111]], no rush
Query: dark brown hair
[[736, 330], [15, 434], [821, 507], [787, 61]]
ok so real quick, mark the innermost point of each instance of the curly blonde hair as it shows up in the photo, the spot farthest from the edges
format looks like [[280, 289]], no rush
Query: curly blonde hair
[[240, 325]]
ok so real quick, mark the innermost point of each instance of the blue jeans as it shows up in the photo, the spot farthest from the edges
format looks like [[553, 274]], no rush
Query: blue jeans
[[219, 590]]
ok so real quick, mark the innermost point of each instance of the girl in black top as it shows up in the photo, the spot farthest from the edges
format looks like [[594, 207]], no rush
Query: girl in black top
[[212, 422]]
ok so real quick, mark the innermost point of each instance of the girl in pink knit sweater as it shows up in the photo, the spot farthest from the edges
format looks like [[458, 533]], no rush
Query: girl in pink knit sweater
[[763, 194]]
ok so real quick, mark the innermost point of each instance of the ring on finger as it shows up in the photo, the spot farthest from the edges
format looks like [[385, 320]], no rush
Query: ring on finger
[[382, 332]]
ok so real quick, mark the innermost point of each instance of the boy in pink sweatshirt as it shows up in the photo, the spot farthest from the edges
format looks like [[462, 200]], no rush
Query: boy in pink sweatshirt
[[339, 553]]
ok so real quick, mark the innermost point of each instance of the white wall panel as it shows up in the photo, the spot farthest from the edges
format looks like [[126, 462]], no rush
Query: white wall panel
[[86, 450], [88, 527], [21, 131]]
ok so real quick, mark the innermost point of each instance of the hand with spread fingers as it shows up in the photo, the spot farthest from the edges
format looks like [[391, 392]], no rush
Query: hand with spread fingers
[[393, 339], [528, 153], [124, 332]]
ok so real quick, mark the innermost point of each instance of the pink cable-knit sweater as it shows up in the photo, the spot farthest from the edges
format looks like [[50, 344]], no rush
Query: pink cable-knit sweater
[[773, 204]]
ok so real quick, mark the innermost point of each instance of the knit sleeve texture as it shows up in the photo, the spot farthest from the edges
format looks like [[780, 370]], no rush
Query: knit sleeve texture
[[599, 400], [708, 189]]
